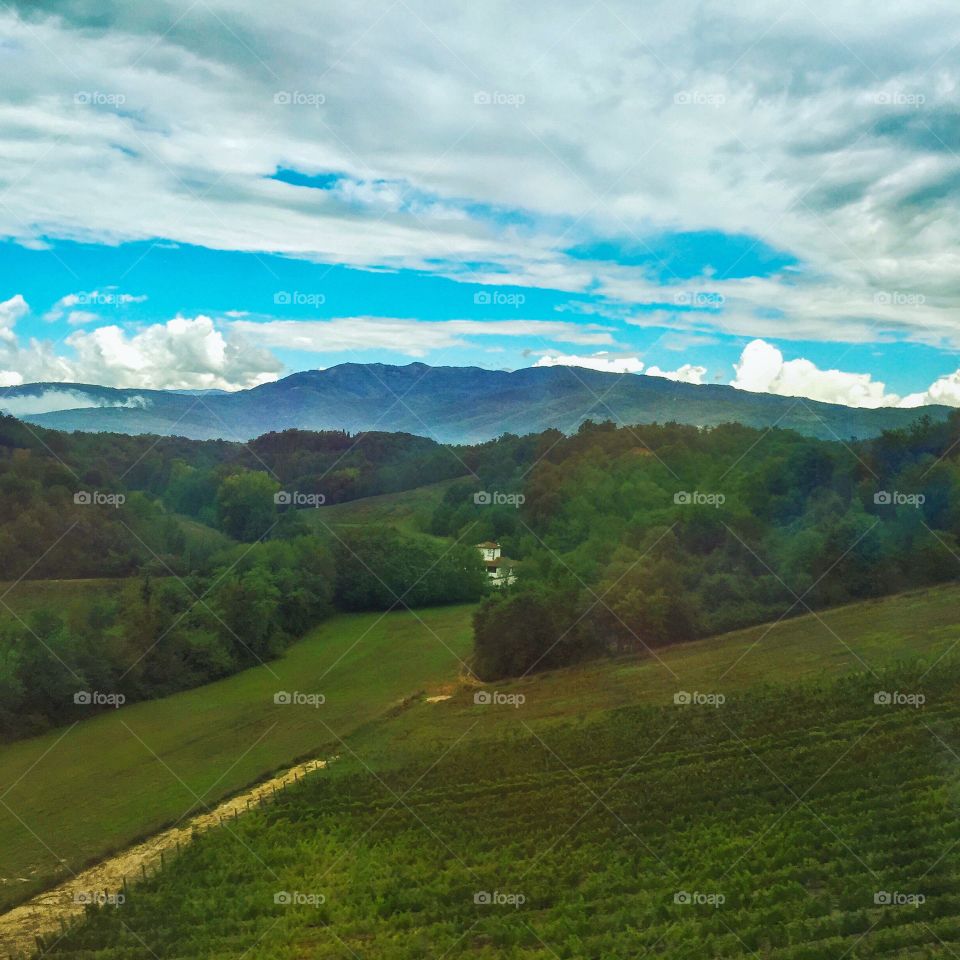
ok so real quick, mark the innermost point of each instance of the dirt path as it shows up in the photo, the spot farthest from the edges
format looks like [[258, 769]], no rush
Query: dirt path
[[45, 913]]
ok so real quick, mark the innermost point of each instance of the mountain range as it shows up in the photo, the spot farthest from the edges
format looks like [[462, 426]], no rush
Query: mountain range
[[449, 404]]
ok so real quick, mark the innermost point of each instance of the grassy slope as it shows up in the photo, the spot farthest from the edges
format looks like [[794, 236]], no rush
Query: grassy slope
[[797, 805], [408, 511], [26, 596], [202, 735], [201, 535], [80, 792], [866, 636]]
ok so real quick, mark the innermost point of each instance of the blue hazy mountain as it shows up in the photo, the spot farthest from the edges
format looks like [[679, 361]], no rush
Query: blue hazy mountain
[[450, 404]]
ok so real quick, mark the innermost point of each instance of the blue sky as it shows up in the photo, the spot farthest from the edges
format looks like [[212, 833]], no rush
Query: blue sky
[[200, 197], [189, 280]]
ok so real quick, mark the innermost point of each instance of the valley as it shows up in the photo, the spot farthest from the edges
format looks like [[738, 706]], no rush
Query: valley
[[479, 482]]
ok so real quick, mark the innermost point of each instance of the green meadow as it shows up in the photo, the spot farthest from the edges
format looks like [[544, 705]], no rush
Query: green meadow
[[79, 793]]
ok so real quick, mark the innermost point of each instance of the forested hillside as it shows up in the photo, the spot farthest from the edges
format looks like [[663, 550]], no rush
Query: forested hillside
[[636, 537], [222, 570], [626, 539]]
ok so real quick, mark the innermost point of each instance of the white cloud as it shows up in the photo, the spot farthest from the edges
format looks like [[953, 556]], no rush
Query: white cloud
[[64, 307], [414, 338], [823, 131], [183, 353], [10, 312], [609, 363], [688, 373], [762, 369], [48, 401], [945, 390], [597, 361]]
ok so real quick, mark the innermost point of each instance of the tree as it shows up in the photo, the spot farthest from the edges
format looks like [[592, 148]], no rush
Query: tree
[[246, 509], [534, 627]]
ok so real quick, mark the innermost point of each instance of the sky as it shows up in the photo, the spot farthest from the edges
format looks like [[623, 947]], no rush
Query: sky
[[215, 194]]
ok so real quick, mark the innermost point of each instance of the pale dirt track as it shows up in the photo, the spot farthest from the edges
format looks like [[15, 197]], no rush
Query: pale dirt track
[[45, 913]]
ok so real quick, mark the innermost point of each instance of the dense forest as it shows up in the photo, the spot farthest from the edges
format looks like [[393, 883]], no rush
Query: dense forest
[[631, 538], [626, 538], [42, 472], [221, 572]]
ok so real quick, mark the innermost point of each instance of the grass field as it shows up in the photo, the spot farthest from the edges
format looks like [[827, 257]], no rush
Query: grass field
[[199, 535], [802, 822], [78, 793], [122, 775], [918, 626], [408, 511], [21, 598]]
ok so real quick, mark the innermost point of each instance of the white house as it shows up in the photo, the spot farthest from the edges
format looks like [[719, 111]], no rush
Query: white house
[[489, 550], [500, 569]]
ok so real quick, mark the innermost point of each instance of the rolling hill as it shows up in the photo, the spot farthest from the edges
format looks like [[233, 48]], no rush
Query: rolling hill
[[150, 764], [798, 815], [449, 404]]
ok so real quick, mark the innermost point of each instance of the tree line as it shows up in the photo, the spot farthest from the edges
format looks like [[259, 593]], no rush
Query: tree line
[[631, 538]]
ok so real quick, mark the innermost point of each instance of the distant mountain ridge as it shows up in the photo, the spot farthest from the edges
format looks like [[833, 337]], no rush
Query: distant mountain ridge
[[449, 404]]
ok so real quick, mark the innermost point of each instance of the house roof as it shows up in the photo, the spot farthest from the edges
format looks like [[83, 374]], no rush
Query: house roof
[[499, 562], [488, 545]]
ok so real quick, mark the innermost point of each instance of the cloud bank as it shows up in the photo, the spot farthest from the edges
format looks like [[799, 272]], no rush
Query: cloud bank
[[826, 131], [762, 368]]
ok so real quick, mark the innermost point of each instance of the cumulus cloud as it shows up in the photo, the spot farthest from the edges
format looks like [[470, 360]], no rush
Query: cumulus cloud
[[183, 353], [945, 390], [688, 373], [762, 369], [611, 363], [10, 312], [597, 361]]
